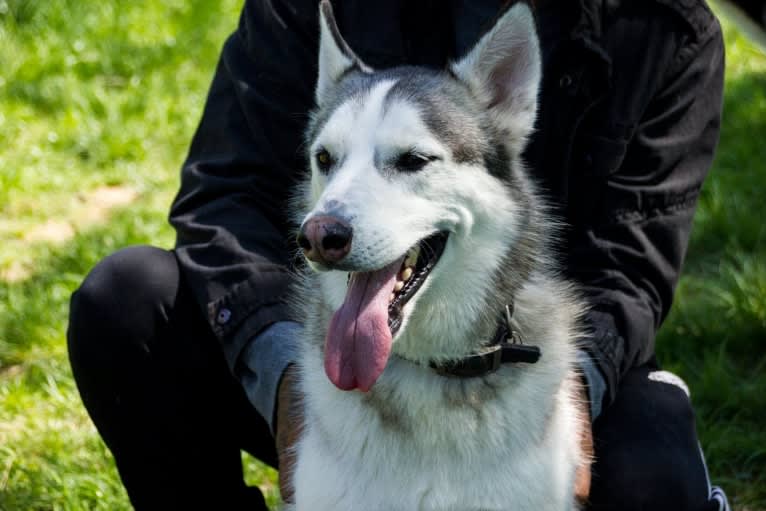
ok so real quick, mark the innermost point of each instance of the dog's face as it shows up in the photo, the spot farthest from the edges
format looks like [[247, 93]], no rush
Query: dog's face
[[411, 190]]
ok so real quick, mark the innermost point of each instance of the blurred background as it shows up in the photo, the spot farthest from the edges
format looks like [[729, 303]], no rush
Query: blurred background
[[98, 102]]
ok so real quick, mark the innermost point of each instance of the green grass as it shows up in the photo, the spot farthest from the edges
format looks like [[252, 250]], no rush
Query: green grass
[[107, 94], [92, 95]]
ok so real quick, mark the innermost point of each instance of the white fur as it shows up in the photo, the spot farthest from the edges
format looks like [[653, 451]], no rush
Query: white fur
[[418, 440], [448, 449]]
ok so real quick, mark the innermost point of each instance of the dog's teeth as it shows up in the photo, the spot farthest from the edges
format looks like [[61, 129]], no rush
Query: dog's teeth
[[406, 274], [412, 257], [398, 286], [391, 298]]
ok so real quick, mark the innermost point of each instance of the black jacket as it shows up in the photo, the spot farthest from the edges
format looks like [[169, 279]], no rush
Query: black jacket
[[628, 124]]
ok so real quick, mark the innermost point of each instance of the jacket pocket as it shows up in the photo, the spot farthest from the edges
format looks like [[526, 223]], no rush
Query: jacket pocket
[[600, 156], [596, 159]]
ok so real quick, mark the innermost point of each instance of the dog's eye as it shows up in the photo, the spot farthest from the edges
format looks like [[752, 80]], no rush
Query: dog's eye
[[412, 162], [324, 160]]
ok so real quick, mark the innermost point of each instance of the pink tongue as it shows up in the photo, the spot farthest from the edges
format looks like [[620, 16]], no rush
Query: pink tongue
[[359, 340]]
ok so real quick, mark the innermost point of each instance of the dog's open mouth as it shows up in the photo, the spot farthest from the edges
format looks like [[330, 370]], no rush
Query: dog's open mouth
[[360, 334], [417, 265]]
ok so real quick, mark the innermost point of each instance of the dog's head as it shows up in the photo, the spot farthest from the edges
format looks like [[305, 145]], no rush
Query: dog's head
[[416, 189]]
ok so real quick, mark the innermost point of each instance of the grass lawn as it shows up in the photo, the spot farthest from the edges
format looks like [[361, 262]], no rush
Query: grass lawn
[[98, 101]]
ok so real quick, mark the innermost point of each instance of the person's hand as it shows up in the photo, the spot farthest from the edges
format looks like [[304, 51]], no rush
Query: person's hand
[[583, 474], [266, 371], [288, 429]]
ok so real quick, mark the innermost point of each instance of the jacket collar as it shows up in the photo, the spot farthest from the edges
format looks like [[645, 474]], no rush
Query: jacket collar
[[587, 34], [588, 28], [589, 23]]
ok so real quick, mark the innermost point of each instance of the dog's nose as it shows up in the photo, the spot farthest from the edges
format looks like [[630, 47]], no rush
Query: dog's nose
[[325, 239]]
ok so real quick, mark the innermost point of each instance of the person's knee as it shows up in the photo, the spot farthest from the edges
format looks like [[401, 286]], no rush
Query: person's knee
[[647, 477], [120, 297], [647, 453]]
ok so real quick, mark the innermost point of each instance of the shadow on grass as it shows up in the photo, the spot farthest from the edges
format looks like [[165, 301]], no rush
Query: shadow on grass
[[22, 12]]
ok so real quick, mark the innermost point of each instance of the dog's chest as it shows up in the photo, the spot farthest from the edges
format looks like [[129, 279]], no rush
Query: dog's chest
[[439, 454]]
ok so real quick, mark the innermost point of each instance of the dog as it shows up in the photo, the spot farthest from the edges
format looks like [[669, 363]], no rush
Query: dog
[[437, 369]]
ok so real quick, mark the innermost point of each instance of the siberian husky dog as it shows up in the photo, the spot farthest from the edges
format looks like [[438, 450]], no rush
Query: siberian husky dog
[[424, 239]]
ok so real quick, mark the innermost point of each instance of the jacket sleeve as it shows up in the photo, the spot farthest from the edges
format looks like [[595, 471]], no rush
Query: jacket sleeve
[[629, 256], [229, 214]]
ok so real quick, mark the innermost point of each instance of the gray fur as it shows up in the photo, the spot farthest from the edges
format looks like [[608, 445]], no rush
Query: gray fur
[[446, 106]]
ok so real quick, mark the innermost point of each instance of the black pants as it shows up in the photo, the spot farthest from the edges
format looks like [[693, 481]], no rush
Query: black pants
[[154, 381]]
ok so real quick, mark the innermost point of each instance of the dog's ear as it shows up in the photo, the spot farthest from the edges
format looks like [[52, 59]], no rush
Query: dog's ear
[[335, 56], [503, 70]]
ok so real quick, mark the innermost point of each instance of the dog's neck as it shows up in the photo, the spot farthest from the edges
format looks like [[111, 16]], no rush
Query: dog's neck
[[507, 346]]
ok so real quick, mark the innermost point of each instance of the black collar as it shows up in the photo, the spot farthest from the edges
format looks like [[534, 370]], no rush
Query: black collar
[[506, 347]]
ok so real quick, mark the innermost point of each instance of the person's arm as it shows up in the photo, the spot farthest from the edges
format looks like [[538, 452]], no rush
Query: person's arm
[[230, 212], [628, 257]]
